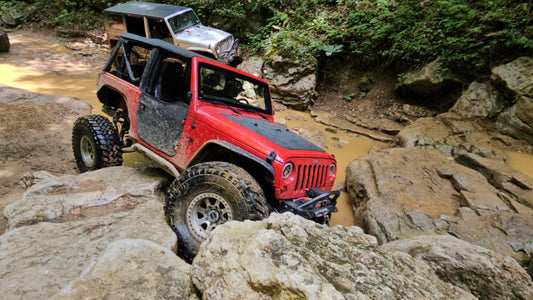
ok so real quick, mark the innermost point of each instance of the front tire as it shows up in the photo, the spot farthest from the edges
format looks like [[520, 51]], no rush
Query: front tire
[[95, 143], [207, 195]]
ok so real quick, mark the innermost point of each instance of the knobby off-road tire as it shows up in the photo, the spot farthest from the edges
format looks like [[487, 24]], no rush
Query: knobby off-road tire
[[4, 41], [207, 195], [95, 143]]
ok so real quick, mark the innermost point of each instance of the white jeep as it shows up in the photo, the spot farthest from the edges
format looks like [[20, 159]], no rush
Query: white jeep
[[175, 24]]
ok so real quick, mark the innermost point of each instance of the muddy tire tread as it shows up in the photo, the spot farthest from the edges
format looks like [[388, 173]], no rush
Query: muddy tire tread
[[105, 137], [255, 201]]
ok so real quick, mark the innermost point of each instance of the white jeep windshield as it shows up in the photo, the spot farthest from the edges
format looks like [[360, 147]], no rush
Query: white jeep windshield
[[182, 21], [223, 86]]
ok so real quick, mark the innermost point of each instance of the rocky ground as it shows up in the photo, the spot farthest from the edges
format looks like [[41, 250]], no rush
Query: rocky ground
[[443, 215], [35, 129], [92, 236]]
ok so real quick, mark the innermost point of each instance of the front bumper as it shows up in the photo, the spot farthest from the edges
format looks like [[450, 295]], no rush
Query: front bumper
[[317, 205]]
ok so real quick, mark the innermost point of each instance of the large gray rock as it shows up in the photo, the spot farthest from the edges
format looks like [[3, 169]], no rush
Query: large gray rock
[[37, 261], [481, 99], [398, 193], [292, 83], [515, 78], [254, 67], [56, 196], [70, 221], [485, 273], [132, 269], [517, 120], [431, 85], [14, 15], [518, 185], [288, 257]]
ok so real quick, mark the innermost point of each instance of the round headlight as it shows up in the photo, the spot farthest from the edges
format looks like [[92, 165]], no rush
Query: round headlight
[[331, 169], [287, 170]]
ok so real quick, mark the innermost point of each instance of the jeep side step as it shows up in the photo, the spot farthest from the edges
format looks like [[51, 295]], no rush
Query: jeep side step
[[166, 165]]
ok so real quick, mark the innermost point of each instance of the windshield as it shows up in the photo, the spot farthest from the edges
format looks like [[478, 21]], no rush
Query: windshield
[[233, 89], [182, 21]]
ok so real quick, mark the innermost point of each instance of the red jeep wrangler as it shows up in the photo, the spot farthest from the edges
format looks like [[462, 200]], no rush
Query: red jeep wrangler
[[211, 126]]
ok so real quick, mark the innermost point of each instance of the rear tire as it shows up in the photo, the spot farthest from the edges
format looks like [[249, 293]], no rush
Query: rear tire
[[95, 143], [207, 195]]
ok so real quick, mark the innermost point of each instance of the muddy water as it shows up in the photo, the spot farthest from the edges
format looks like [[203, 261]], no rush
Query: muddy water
[[45, 83], [521, 162], [345, 147]]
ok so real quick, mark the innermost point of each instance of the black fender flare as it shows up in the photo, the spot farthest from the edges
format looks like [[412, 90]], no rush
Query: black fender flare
[[203, 152]]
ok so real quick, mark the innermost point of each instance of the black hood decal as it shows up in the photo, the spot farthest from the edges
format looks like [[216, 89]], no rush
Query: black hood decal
[[275, 133]]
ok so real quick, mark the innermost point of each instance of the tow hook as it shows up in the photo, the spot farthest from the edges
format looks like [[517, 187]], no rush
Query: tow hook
[[317, 205]]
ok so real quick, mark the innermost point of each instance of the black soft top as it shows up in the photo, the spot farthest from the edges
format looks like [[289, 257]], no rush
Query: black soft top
[[152, 10], [163, 45]]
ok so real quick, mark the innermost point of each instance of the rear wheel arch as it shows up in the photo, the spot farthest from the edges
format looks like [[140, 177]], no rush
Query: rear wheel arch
[[112, 98]]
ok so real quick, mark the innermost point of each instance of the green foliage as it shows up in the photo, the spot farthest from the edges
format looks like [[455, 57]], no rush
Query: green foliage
[[72, 13], [331, 49], [349, 97], [465, 34]]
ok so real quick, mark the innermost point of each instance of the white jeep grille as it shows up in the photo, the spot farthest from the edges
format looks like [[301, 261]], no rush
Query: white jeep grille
[[225, 45]]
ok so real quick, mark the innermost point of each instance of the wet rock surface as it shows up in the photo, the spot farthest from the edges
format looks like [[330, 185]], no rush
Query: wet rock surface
[[425, 192], [53, 197], [452, 135]]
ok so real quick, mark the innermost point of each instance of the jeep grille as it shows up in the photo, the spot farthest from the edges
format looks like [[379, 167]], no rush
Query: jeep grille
[[225, 45], [311, 176]]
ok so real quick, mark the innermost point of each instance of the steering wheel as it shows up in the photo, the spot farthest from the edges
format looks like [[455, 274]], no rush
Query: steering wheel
[[242, 100]]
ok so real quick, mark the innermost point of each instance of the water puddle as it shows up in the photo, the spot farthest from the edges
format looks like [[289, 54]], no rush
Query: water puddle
[[521, 162], [45, 83], [345, 147]]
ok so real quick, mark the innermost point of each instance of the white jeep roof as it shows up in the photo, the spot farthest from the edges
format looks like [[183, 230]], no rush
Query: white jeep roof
[[152, 10]]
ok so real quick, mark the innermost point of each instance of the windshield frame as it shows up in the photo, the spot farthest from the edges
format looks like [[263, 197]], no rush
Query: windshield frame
[[263, 98], [180, 16]]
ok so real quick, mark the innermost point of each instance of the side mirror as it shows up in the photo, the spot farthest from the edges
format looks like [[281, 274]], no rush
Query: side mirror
[[189, 96]]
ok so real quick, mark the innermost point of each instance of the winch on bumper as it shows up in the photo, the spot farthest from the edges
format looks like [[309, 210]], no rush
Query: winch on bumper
[[317, 205]]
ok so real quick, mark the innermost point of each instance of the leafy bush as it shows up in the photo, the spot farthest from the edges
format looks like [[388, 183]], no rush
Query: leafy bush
[[465, 34]]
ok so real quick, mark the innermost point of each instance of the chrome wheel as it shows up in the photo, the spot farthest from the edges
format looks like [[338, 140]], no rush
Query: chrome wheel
[[87, 151], [207, 211]]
